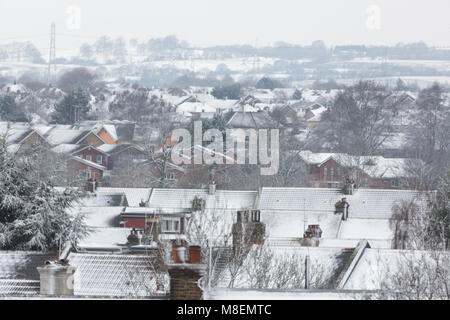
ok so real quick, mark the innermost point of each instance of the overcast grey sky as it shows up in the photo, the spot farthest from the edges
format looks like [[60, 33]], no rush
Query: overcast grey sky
[[209, 22]]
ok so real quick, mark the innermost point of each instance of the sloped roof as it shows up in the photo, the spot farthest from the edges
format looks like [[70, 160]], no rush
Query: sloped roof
[[375, 265], [67, 148], [105, 199], [116, 148], [182, 198], [65, 136], [298, 199], [382, 167], [134, 195], [100, 216], [102, 238], [89, 163], [19, 287], [255, 120], [115, 275], [377, 203], [364, 203]]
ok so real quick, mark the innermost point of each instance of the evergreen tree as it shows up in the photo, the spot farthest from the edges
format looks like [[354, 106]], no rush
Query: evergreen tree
[[33, 214], [72, 108], [268, 83], [233, 91], [297, 95], [9, 110]]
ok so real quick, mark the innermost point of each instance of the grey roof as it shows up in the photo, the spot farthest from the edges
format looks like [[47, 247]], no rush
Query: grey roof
[[19, 287], [364, 203], [115, 275], [255, 120]]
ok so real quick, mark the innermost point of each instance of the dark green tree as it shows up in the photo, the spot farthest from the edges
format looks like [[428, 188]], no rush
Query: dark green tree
[[233, 91], [268, 83], [10, 111], [33, 214], [297, 95], [72, 108]]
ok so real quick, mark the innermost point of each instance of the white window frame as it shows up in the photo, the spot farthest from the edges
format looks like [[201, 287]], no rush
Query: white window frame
[[88, 157], [170, 176], [173, 227], [99, 157]]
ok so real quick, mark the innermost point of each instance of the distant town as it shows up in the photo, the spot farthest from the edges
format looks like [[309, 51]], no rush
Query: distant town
[[93, 204]]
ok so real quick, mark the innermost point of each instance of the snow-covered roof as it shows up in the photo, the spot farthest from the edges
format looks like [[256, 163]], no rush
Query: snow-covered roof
[[287, 211], [88, 163], [380, 167], [67, 148], [316, 114], [134, 195], [65, 136], [115, 275], [188, 108], [101, 238], [375, 266], [221, 199], [112, 131]]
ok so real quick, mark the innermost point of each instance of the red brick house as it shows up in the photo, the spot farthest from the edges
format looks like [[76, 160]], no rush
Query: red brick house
[[162, 224], [80, 167], [120, 153], [332, 169]]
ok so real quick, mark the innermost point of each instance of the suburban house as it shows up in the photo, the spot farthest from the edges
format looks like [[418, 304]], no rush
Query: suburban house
[[120, 153], [73, 136], [111, 131], [76, 166], [332, 169]]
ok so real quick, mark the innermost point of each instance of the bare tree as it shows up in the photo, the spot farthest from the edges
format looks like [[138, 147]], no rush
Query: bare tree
[[360, 120], [421, 275]]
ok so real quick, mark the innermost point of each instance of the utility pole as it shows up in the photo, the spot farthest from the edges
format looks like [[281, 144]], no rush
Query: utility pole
[[307, 273], [52, 55]]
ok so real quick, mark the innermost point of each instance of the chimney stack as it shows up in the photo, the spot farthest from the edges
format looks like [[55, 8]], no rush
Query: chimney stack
[[56, 279], [212, 188], [184, 277], [248, 229]]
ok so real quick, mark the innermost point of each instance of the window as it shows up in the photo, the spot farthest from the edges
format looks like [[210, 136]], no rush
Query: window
[[87, 174], [89, 157], [332, 172], [99, 159], [395, 183], [171, 225], [338, 171], [170, 176], [325, 171]]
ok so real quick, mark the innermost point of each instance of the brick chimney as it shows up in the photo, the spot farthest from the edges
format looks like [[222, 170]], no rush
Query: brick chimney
[[184, 279], [91, 185], [248, 229]]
